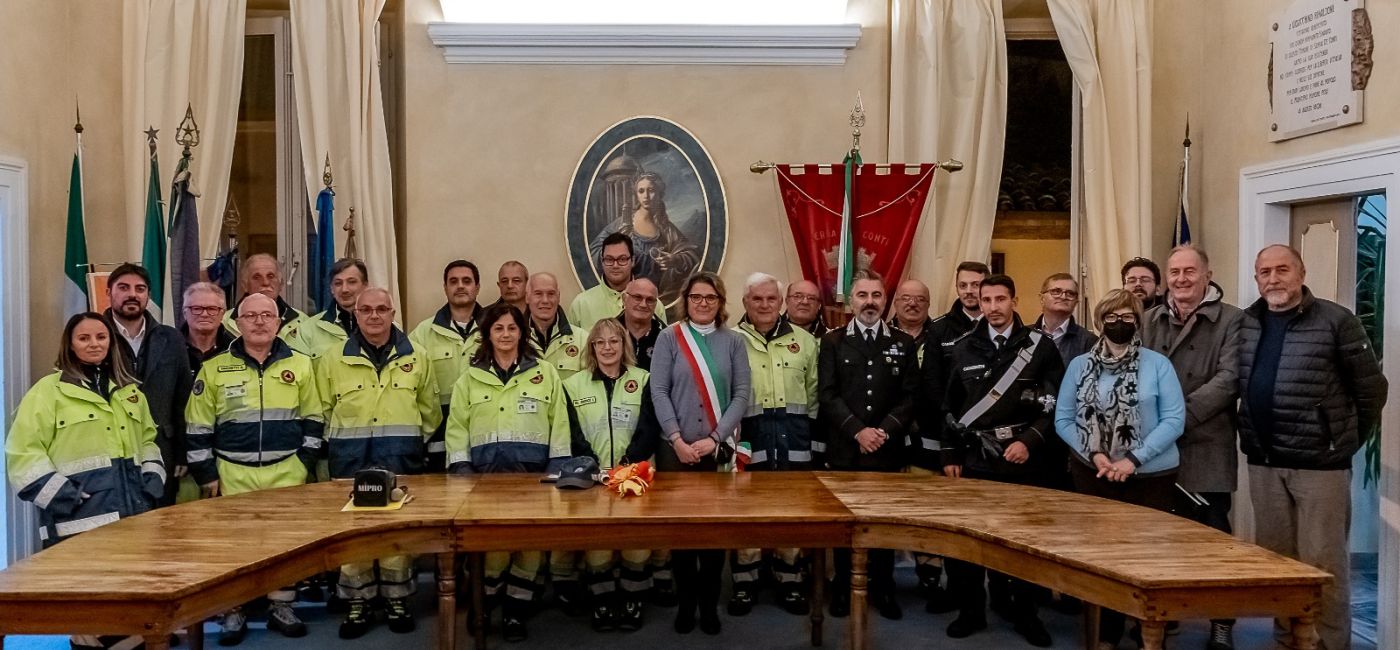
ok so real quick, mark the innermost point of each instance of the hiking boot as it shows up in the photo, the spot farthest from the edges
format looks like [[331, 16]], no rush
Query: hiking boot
[[233, 627], [602, 618], [1222, 637], [629, 618], [400, 616], [741, 603], [281, 618], [357, 619]]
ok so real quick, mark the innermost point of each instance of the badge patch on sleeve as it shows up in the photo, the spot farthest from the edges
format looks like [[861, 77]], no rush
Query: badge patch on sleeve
[[198, 388]]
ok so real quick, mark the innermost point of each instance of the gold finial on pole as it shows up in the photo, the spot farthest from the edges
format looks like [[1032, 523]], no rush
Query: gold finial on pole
[[187, 135], [857, 121], [326, 177], [78, 114]]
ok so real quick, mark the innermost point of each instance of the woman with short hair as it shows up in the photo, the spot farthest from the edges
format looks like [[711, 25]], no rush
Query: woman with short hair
[[1120, 410]]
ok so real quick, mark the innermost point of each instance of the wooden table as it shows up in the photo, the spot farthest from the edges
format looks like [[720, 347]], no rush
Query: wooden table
[[165, 570]]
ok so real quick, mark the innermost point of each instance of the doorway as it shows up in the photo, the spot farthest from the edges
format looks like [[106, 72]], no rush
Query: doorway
[[19, 538], [1280, 199]]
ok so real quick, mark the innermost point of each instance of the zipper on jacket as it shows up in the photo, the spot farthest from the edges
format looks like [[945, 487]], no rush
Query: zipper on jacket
[[260, 415]]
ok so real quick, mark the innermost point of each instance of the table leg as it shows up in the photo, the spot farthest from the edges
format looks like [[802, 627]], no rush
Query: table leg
[[1154, 634], [1091, 626], [195, 632], [158, 641], [859, 582], [476, 567], [447, 600], [817, 574], [1305, 635]]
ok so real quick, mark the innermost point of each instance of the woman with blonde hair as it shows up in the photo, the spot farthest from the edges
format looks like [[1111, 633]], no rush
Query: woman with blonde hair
[[609, 405]]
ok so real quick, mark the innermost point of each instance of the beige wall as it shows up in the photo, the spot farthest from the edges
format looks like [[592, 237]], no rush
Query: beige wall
[[1029, 262], [491, 148], [1211, 58], [51, 52]]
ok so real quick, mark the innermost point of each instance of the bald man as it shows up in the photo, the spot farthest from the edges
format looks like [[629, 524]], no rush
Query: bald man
[[803, 303], [262, 273], [550, 331]]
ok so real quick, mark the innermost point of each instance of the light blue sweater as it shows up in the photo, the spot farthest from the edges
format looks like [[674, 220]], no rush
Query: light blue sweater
[[1161, 411]]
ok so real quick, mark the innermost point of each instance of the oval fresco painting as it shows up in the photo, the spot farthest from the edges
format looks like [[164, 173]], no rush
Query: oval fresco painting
[[651, 179]]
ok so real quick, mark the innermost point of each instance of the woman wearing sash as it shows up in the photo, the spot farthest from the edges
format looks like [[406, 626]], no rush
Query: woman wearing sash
[[700, 390]]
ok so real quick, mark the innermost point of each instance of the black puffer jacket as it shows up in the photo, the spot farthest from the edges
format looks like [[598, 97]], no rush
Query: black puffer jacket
[[1329, 388]]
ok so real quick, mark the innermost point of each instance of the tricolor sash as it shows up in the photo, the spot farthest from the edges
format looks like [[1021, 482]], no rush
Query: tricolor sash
[[713, 385]]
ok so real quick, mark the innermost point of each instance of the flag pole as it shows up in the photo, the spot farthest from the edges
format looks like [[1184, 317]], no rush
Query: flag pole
[[1181, 232]]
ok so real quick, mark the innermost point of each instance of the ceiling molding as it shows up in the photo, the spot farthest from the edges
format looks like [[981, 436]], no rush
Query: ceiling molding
[[644, 44]]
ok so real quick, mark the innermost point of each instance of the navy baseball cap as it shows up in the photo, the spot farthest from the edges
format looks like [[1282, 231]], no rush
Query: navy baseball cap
[[577, 473]]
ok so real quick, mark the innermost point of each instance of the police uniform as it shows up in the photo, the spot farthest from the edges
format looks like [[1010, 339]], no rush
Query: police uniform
[[291, 319], [866, 382], [254, 426], [778, 430], [449, 348], [67, 440], [598, 303], [1023, 413], [605, 415], [559, 347], [514, 421], [381, 404]]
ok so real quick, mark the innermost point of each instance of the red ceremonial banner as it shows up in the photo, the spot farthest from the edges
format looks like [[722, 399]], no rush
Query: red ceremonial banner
[[887, 201]]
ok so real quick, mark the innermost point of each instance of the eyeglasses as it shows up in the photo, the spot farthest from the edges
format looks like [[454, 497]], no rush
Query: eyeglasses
[[374, 311], [1120, 318], [708, 299], [1062, 293], [804, 297], [259, 317], [617, 261], [645, 300], [202, 311], [912, 300]]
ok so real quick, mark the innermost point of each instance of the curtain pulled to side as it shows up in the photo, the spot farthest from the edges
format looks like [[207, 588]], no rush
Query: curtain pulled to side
[[1109, 47], [179, 53], [948, 100], [340, 113]]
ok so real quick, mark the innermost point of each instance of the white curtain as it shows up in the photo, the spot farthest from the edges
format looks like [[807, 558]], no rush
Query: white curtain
[[948, 100], [340, 112], [1109, 47], [178, 53]]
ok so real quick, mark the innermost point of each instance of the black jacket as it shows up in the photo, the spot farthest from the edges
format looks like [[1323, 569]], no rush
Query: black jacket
[[859, 386], [1075, 342], [976, 366], [163, 368], [1328, 394]]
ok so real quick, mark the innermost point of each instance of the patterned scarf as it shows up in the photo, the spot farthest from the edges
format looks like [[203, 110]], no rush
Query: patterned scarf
[[1109, 425]]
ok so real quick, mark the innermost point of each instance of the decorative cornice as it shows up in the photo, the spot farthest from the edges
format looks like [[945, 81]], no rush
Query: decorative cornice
[[644, 44]]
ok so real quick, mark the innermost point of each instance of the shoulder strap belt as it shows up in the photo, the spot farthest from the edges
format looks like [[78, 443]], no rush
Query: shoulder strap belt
[[1013, 372]]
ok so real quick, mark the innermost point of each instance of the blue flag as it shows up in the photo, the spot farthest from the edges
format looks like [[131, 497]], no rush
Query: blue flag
[[320, 251], [184, 238]]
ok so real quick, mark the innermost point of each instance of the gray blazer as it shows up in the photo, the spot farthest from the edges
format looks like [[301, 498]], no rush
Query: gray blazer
[[1205, 353], [676, 397]]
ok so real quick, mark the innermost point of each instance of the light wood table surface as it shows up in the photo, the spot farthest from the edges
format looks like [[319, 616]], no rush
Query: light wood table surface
[[169, 569]]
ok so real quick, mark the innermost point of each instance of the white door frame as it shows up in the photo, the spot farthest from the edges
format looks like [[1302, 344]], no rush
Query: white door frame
[[1266, 194], [20, 530]]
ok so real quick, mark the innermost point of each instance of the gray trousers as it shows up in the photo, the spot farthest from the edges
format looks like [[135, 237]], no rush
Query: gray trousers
[[1306, 514]]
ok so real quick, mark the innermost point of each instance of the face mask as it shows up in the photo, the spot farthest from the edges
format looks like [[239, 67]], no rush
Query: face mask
[[1120, 333]]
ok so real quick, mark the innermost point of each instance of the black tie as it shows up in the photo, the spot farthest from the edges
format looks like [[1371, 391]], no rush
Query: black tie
[[999, 340], [870, 337]]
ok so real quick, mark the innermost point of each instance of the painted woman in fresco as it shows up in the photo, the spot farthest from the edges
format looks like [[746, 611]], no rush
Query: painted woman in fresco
[[661, 252]]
